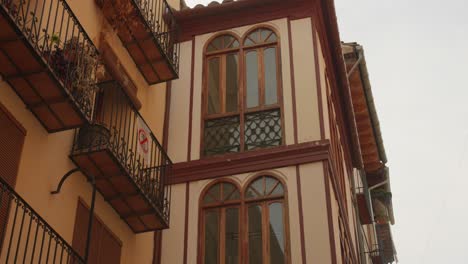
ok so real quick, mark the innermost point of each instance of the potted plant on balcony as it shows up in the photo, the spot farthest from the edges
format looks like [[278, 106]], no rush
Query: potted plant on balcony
[[93, 136], [74, 65], [121, 13]]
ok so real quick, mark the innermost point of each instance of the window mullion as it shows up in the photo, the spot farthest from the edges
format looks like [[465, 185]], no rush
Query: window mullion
[[222, 85], [222, 235], [265, 233], [261, 77], [242, 97]]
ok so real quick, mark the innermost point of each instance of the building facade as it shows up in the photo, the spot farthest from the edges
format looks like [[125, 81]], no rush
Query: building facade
[[144, 131]]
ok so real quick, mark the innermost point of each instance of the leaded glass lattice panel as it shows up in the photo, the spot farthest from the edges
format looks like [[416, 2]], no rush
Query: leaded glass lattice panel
[[263, 129], [221, 136]]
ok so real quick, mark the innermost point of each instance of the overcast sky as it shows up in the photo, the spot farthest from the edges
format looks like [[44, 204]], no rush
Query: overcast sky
[[417, 56]]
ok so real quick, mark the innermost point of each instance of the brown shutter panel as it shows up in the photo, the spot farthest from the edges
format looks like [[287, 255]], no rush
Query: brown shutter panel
[[12, 136], [105, 248], [110, 248]]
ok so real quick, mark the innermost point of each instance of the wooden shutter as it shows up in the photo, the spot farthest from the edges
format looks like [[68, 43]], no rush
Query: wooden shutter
[[12, 136], [105, 248]]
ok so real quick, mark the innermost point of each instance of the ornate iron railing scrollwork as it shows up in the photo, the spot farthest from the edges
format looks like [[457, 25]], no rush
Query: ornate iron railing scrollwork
[[27, 237]]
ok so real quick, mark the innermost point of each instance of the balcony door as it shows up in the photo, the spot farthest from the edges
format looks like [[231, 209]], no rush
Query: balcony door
[[105, 247], [12, 136]]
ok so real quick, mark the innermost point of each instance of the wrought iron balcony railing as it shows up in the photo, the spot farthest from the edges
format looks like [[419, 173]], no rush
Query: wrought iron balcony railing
[[149, 32], [130, 165], [26, 236], [49, 60]]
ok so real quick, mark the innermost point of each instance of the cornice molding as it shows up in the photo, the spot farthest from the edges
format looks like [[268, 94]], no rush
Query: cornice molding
[[238, 163]]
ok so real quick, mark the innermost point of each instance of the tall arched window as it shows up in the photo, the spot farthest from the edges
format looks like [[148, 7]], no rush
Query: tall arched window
[[264, 202], [242, 102], [250, 228], [221, 218]]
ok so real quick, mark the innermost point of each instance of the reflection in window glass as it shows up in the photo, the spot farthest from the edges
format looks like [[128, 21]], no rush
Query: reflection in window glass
[[271, 94], [232, 236], [252, 79], [211, 237], [213, 86], [277, 250], [255, 234], [231, 82]]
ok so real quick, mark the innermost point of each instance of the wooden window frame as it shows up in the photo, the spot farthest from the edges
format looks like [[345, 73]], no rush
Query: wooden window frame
[[242, 109], [221, 208], [243, 204]]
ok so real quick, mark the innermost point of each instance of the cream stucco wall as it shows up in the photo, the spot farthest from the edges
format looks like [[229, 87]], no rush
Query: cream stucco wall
[[317, 241], [316, 229], [305, 81]]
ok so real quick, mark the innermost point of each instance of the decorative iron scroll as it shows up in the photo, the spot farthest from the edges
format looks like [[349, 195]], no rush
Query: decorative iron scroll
[[263, 129], [222, 135], [116, 128], [56, 35]]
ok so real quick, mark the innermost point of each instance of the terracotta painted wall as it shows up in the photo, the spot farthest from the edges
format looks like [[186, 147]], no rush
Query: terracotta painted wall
[[43, 163], [45, 156]]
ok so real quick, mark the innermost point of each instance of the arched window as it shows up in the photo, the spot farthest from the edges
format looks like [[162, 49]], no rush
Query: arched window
[[264, 202], [242, 105], [255, 219], [221, 218]]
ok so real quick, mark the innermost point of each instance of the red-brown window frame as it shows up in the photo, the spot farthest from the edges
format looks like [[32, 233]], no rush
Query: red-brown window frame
[[243, 205], [242, 86]]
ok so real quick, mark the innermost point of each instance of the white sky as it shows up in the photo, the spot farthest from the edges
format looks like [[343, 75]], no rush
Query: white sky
[[417, 56]]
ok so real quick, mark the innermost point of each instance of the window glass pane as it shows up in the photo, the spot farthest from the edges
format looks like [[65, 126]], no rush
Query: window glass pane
[[256, 188], [211, 237], [213, 193], [276, 229], [213, 86], [235, 44], [231, 82], [255, 234], [252, 79], [272, 38], [227, 41], [271, 90], [279, 190], [230, 192], [251, 193], [232, 236], [264, 34], [270, 183], [248, 42], [217, 43]]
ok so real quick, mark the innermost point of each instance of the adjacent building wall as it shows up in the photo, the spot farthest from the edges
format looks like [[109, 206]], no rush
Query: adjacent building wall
[[45, 156]]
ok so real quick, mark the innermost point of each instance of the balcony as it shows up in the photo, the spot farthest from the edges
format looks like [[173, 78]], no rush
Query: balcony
[[127, 161], [49, 60], [148, 30], [27, 238]]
